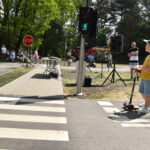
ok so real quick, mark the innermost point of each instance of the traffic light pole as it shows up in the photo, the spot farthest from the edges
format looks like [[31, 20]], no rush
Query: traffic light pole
[[81, 61], [81, 67]]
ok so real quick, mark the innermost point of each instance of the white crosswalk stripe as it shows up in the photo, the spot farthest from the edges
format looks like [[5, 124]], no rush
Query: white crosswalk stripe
[[111, 110], [30, 133], [5, 149], [51, 135], [105, 103], [108, 107], [138, 125], [32, 118], [5, 99], [33, 108], [144, 123], [123, 120]]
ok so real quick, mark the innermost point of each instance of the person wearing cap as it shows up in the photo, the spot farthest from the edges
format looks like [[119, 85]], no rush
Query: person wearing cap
[[144, 87]]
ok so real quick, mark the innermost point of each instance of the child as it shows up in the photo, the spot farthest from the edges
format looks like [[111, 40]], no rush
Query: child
[[144, 87]]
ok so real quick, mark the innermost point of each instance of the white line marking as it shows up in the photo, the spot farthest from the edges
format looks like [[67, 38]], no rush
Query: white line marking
[[104, 103], [111, 109], [32, 118], [33, 108], [9, 98], [135, 125], [5, 149], [138, 121], [31, 100], [50, 135]]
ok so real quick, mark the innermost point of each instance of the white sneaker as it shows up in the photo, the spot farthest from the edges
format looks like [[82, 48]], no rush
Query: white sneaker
[[141, 105], [143, 110]]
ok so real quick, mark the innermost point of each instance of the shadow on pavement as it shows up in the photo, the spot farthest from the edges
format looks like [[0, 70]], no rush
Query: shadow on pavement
[[34, 99], [125, 115], [40, 76]]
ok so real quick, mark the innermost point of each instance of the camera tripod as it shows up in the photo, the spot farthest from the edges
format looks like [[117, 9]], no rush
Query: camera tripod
[[89, 68], [101, 73], [112, 75]]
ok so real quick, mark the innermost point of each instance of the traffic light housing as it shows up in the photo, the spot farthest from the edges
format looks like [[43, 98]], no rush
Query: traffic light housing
[[87, 21]]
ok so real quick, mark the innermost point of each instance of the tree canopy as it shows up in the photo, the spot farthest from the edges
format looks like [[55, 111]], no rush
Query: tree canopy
[[54, 23]]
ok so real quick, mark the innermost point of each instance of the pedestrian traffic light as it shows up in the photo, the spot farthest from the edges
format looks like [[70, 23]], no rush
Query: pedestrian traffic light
[[84, 20], [87, 20]]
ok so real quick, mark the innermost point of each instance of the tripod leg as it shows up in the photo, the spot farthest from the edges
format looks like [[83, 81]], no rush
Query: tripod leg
[[89, 68], [113, 76], [107, 78], [120, 78]]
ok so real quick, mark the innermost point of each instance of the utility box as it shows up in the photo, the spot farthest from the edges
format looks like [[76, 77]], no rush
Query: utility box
[[87, 81]]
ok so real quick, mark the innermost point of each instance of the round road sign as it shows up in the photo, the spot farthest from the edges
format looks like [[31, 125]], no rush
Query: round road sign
[[28, 40]]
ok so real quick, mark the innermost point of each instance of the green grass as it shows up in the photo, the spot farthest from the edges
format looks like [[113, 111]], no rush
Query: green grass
[[8, 77], [113, 91]]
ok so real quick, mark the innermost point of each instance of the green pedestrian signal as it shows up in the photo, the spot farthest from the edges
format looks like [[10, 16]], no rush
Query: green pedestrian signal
[[87, 21], [85, 27]]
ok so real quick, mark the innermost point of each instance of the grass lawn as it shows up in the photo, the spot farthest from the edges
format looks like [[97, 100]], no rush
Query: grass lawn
[[8, 77], [113, 91]]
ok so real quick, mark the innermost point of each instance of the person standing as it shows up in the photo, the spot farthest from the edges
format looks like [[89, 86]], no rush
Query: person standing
[[3, 52], [144, 87], [133, 58], [69, 58], [36, 56], [12, 55]]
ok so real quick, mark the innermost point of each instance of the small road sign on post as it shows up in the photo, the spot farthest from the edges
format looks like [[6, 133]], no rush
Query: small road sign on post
[[28, 40]]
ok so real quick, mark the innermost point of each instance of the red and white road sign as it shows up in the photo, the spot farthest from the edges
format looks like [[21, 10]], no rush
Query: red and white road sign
[[28, 40]]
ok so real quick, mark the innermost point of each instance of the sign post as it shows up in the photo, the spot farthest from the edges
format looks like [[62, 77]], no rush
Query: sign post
[[28, 40], [81, 62]]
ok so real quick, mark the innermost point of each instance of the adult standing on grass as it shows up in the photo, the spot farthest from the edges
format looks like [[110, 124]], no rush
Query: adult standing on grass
[[133, 57], [144, 87]]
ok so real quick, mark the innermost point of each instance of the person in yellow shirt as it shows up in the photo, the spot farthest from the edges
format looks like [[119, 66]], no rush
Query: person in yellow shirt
[[144, 87]]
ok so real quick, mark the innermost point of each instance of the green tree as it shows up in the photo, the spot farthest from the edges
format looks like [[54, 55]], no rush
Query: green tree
[[21, 17], [64, 25]]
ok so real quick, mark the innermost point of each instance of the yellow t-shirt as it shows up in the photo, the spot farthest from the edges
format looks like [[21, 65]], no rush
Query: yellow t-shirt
[[146, 75]]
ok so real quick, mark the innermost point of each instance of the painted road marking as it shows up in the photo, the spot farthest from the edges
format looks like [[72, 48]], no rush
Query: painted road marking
[[33, 118], [9, 98], [135, 125], [111, 109], [50, 135], [138, 121], [33, 108], [105, 103], [32, 100]]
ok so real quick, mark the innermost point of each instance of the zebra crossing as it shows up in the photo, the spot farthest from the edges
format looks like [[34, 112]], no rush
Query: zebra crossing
[[125, 121], [41, 112]]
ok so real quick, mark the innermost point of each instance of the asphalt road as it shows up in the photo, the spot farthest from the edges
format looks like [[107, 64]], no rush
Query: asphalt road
[[71, 125], [6, 67]]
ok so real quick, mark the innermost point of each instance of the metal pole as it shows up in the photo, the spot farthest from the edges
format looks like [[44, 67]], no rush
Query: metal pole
[[81, 61], [80, 67], [66, 46]]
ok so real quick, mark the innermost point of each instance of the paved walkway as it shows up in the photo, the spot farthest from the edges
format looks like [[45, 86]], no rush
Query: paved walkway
[[6, 67], [34, 85]]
